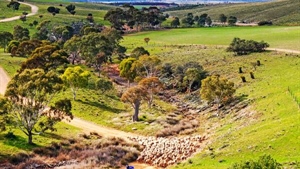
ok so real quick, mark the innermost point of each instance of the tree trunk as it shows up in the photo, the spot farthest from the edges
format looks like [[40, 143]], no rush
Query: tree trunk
[[30, 137], [135, 116], [74, 95]]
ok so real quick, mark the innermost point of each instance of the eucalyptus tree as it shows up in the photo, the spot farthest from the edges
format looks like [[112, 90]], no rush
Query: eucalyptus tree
[[75, 78], [5, 38], [134, 96], [30, 94]]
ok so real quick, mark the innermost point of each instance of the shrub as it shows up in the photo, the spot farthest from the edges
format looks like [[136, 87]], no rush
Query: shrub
[[264, 162], [244, 47], [262, 23]]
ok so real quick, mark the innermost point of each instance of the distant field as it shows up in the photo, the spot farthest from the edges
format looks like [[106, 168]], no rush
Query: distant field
[[282, 12], [276, 36]]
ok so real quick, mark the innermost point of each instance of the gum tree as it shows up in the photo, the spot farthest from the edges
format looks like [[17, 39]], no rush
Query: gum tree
[[30, 93]]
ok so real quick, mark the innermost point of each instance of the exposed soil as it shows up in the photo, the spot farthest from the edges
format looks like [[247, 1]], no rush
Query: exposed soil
[[4, 79]]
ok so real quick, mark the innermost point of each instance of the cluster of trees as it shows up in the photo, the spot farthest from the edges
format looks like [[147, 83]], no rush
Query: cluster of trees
[[28, 94], [44, 73], [129, 16], [151, 75], [203, 20], [55, 10], [244, 47]]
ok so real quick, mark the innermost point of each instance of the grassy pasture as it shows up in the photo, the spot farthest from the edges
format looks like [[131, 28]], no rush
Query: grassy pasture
[[19, 144], [9, 12], [276, 36], [271, 126], [64, 17]]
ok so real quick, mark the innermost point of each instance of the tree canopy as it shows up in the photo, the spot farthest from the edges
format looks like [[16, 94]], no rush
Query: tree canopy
[[127, 70], [75, 78], [217, 89], [46, 57], [134, 96], [5, 38]]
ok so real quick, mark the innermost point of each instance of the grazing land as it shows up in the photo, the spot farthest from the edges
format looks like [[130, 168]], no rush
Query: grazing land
[[264, 118], [277, 36]]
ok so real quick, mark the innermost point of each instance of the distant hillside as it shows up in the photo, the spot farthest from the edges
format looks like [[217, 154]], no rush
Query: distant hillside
[[282, 12]]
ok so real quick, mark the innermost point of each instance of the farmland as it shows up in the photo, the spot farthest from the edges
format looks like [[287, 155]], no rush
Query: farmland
[[268, 124]]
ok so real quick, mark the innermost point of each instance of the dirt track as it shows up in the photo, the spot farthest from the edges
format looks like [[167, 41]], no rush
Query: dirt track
[[34, 10], [4, 79], [284, 50]]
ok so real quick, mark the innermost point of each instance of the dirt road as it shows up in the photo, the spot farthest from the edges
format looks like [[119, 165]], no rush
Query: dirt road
[[34, 10], [4, 79], [284, 50]]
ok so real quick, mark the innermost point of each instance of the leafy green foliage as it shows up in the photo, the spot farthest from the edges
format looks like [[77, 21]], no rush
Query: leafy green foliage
[[104, 85], [14, 5], [244, 47], [21, 33], [130, 16], [71, 9], [217, 89], [46, 57], [25, 48], [175, 22], [127, 70], [139, 51], [75, 78], [5, 38], [232, 20]]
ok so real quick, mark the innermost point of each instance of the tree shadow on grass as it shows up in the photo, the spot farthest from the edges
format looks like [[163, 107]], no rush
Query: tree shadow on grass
[[52, 136], [101, 106], [18, 142]]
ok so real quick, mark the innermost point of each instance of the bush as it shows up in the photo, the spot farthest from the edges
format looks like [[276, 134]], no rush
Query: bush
[[262, 23], [264, 162], [245, 47]]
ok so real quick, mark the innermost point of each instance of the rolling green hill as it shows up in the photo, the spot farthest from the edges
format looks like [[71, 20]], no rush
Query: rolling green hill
[[281, 12]]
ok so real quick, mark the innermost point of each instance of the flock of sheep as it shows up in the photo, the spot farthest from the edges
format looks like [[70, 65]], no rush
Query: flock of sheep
[[162, 152]]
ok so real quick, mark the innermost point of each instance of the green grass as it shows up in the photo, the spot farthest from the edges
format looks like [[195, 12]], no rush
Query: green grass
[[19, 144], [271, 123], [275, 129], [10, 64], [284, 12], [276, 36], [108, 110], [9, 12], [63, 18]]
